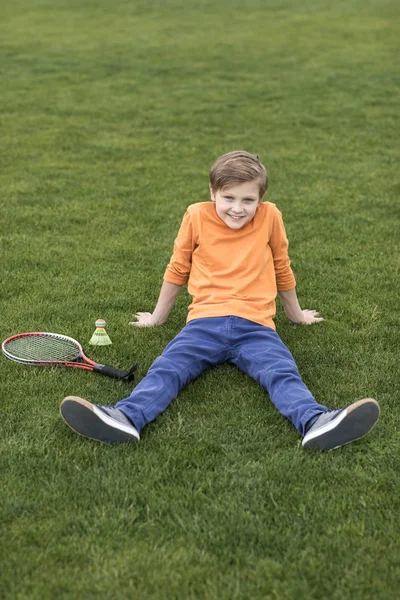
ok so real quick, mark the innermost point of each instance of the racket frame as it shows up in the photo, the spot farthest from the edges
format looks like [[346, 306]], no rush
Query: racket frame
[[87, 365]]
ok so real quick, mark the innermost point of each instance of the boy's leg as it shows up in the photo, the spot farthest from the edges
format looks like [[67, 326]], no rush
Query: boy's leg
[[262, 355], [197, 347]]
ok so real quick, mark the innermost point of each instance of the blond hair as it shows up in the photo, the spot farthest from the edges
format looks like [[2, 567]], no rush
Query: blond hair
[[238, 167]]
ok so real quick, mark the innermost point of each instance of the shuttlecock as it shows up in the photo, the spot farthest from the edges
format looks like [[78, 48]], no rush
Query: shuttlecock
[[100, 337]]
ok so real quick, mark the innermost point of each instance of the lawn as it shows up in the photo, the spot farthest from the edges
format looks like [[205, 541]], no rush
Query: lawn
[[111, 114]]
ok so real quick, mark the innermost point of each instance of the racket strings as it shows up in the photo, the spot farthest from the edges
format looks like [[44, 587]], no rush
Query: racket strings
[[43, 348]]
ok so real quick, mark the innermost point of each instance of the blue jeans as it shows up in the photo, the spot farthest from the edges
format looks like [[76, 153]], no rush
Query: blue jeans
[[257, 350]]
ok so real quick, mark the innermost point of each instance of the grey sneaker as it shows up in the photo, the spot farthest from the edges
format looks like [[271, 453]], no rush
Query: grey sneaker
[[335, 428], [105, 424]]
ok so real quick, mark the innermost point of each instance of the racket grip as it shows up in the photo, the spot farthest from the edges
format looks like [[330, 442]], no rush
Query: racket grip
[[115, 373]]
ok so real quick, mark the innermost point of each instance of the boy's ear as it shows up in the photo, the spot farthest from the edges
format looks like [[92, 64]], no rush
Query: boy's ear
[[212, 194], [261, 199]]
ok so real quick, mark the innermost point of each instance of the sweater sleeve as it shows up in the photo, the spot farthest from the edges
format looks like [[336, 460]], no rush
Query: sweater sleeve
[[279, 245], [178, 269]]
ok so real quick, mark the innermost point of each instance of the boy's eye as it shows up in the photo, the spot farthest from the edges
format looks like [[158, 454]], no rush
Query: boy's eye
[[246, 200]]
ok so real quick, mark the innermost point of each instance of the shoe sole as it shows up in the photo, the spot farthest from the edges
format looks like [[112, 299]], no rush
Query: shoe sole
[[350, 425], [87, 420]]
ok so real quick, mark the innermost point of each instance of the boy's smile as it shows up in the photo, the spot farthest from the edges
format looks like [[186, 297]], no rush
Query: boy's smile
[[236, 205]]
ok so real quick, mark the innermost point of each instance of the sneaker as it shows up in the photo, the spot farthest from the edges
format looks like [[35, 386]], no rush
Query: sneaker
[[335, 428], [105, 424]]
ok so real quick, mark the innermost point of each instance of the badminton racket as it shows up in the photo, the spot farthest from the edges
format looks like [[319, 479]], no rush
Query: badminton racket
[[52, 350]]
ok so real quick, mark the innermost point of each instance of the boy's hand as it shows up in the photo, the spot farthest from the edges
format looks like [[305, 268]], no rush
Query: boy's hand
[[306, 317], [168, 293], [145, 319], [294, 312]]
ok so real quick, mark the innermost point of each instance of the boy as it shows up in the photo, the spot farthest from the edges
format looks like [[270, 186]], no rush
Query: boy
[[233, 253]]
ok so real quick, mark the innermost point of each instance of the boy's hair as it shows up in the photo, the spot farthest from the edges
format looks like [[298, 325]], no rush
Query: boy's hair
[[236, 168]]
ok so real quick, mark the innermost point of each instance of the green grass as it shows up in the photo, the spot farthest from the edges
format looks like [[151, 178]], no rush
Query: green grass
[[111, 115]]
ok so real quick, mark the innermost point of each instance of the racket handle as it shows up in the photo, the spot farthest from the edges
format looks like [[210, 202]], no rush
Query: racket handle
[[115, 373]]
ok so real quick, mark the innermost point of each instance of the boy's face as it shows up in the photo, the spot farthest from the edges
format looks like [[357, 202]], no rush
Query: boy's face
[[237, 204]]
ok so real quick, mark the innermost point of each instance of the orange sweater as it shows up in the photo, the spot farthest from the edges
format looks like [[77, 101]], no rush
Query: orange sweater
[[228, 271]]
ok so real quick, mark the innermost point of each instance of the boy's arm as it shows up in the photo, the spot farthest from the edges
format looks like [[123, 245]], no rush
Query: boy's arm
[[175, 277], [168, 294], [294, 312], [285, 280]]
